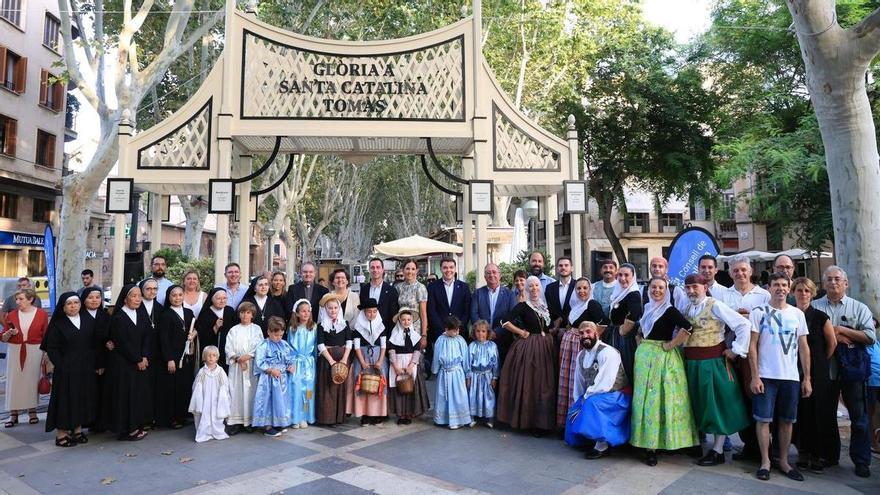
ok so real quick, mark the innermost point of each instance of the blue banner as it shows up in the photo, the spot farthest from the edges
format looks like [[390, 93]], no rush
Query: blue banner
[[8, 238], [685, 252], [49, 247]]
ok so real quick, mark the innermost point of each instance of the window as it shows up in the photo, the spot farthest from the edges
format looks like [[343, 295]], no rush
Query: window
[[729, 202], [699, 211], [639, 258], [43, 210], [51, 91], [636, 223], [8, 128], [36, 263], [8, 262], [11, 11], [45, 149], [51, 30], [671, 222], [8, 205], [14, 67]]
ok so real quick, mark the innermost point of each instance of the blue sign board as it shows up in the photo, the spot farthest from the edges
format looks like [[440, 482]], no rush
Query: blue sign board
[[20, 239], [49, 247], [685, 252]]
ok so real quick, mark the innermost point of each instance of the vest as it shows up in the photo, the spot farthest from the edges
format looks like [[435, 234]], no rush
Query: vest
[[707, 331], [589, 374]]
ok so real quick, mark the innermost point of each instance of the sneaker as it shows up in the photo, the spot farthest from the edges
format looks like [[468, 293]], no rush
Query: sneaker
[[594, 454], [472, 424], [455, 427], [295, 426], [711, 459], [272, 432], [303, 424], [283, 430]]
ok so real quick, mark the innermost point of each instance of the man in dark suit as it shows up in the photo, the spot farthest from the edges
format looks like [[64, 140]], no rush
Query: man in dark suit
[[492, 303], [558, 293], [307, 289], [383, 292], [447, 297]]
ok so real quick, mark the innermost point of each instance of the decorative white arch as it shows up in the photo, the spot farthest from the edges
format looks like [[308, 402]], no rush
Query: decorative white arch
[[317, 96]]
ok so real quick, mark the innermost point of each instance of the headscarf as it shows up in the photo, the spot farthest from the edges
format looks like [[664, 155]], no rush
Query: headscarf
[[59, 306], [168, 294], [540, 307], [653, 310], [252, 289], [120, 299], [398, 335], [327, 325], [619, 293], [88, 290], [370, 329], [577, 306], [144, 282]]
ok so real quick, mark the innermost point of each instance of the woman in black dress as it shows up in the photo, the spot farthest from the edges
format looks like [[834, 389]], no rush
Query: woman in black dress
[[334, 346], [70, 344], [278, 291], [93, 310], [267, 306], [176, 360], [130, 394], [626, 311], [816, 425], [214, 322], [150, 311], [527, 395]]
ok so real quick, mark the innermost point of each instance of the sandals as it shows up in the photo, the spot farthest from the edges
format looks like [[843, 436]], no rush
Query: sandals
[[34, 420], [65, 441], [80, 437], [13, 420], [134, 437]]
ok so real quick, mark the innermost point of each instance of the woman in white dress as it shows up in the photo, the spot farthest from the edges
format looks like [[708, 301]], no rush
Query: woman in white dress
[[193, 295], [23, 333]]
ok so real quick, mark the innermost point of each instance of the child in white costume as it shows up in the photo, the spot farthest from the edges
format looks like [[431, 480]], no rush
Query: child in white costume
[[241, 344], [210, 398]]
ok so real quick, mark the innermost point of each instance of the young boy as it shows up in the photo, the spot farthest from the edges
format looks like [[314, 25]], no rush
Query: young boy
[[274, 360], [210, 398], [241, 345], [451, 362]]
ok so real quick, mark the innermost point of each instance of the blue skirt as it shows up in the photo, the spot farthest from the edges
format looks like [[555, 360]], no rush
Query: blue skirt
[[600, 417]]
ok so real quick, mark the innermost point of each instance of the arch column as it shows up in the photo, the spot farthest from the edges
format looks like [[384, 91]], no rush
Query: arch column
[[156, 201], [550, 215], [467, 220], [221, 254], [124, 136], [243, 163], [577, 238]]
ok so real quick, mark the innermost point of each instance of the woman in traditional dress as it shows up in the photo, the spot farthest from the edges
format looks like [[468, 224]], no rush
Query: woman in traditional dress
[[214, 322], [413, 294], [177, 360], [266, 306], [70, 343], [23, 333], [278, 291], [92, 309], [334, 346], [130, 394], [583, 308], [817, 436], [348, 300], [662, 418], [193, 296], [303, 338], [527, 395], [404, 357], [370, 343], [626, 311]]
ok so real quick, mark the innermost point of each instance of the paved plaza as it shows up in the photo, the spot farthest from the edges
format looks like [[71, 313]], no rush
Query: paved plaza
[[386, 459]]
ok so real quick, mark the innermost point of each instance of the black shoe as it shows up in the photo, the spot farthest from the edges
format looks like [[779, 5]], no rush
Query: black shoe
[[365, 420], [234, 430], [651, 458], [863, 471], [593, 454], [696, 451], [711, 459], [249, 429]]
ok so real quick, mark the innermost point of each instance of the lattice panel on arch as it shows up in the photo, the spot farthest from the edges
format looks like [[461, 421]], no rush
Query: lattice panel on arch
[[188, 146], [516, 150], [286, 82]]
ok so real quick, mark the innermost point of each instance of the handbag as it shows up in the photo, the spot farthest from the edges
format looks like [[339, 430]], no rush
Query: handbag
[[44, 386]]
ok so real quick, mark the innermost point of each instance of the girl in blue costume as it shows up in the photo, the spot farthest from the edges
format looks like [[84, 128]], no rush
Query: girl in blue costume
[[302, 337], [274, 360], [483, 375], [451, 363]]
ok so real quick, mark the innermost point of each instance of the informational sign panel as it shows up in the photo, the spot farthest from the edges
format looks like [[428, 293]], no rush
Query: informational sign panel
[[119, 194], [481, 196], [575, 196], [287, 82], [221, 194]]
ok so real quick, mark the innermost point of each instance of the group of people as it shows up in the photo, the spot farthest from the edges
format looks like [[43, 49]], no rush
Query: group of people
[[656, 365]]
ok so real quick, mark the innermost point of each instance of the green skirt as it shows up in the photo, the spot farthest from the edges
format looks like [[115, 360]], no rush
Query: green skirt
[[661, 409], [715, 396]]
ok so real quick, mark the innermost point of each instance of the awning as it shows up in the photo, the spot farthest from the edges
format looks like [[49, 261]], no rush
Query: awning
[[415, 245], [794, 254]]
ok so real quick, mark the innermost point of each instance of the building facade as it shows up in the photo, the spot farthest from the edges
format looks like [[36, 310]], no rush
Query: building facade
[[32, 131]]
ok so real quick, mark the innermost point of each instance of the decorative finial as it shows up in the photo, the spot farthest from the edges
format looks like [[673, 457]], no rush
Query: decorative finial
[[126, 116], [251, 7], [464, 11], [571, 122]]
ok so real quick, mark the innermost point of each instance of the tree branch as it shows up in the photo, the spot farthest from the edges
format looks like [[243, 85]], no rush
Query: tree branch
[[868, 34], [156, 69], [73, 71], [308, 22]]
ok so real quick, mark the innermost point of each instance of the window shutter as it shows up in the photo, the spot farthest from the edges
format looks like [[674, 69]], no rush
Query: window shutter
[[50, 150], [21, 75], [11, 136], [2, 65], [59, 96], [44, 87]]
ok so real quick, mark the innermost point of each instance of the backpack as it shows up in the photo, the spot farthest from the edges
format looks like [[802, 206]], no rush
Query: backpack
[[855, 363]]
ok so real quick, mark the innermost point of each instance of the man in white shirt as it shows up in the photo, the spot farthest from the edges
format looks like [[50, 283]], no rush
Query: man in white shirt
[[660, 268], [708, 267], [234, 290], [779, 337], [559, 292], [603, 289], [536, 268]]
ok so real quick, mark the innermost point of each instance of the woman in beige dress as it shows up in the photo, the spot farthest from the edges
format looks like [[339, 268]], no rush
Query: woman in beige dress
[[23, 333], [348, 300]]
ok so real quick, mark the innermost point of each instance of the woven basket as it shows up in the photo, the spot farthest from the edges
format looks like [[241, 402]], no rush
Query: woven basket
[[405, 384], [370, 382], [339, 372]]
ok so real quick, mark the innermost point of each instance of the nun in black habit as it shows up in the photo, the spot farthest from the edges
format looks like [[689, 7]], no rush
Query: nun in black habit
[[130, 395], [267, 306], [176, 360], [70, 342], [93, 310], [214, 322], [151, 310]]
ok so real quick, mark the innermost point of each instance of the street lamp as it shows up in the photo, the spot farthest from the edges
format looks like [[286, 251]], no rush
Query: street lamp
[[530, 209], [269, 233]]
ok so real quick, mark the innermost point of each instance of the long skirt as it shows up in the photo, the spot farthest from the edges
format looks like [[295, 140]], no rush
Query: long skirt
[[481, 395], [330, 396], [527, 392], [715, 396], [451, 404], [362, 404], [173, 392], [661, 408], [817, 423], [568, 351], [408, 405], [22, 380], [302, 390], [625, 344], [599, 417]]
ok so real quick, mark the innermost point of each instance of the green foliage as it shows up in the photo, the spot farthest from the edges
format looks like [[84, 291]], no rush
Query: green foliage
[[204, 266], [173, 256]]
